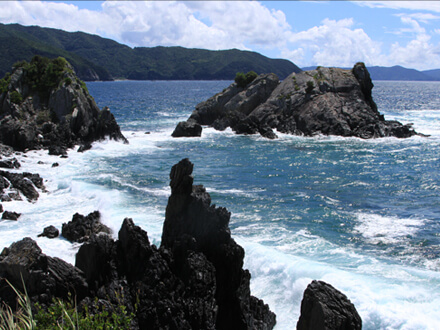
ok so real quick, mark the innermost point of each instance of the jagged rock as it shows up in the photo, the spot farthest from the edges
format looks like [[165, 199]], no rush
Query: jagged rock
[[51, 111], [50, 232], [23, 182], [80, 228], [43, 277], [7, 215], [191, 225], [84, 147], [325, 308], [327, 101], [56, 150], [10, 163], [187, 129]]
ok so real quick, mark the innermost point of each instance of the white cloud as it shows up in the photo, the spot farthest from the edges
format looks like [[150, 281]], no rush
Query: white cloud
[[419, 53], [335, 43], [198, 24], [433, 6]]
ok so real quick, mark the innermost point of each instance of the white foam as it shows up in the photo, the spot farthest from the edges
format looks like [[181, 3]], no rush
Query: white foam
[[386, 229]]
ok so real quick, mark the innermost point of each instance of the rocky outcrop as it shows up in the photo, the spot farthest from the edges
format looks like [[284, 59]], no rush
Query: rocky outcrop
[[81, 228], [7, 215], [193, 226], [45, 105], [26, 183], [323, 308], [44, 277], [50, 232], [327, 101], [195, 280], [187, 128]]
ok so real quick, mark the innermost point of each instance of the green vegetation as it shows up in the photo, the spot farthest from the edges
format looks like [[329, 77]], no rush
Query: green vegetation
[[107, 58], [310, 86], [242, 80], [16, 97], [4, 82], [62, 315]]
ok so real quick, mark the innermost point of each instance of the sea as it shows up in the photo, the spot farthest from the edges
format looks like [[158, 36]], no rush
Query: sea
[[362, 215]]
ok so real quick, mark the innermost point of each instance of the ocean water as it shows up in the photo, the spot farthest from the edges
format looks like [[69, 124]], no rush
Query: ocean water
[[362, 215]]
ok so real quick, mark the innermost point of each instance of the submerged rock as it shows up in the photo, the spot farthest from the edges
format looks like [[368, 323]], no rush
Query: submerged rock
[[325, 308], [327, 101]]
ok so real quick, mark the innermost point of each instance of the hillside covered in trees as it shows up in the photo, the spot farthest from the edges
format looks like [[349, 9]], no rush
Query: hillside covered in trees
[[96, 58]]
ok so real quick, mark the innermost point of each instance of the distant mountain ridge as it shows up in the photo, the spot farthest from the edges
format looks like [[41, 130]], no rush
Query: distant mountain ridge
[[97, 58], [397, 72]]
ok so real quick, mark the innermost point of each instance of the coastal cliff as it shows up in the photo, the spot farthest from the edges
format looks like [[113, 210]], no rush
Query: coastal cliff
[[43, 105], [327, 101]]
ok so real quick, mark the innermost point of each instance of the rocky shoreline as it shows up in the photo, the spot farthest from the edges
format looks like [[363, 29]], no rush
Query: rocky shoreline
[[193, 280]]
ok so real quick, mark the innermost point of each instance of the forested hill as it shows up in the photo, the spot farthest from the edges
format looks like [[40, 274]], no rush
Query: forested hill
[[96, 58]]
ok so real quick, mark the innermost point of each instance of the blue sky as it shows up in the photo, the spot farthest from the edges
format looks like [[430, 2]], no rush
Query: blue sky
[[329, 33]]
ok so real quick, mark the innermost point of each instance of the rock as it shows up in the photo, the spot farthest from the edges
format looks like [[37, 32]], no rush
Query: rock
[[324, 307], [10, 163], [187, 129], [327, 101], [55, 165], [80, 228], [193, 225], [57, 150], [43, 277], [1, 208], [50, 232], [10, 215], [84, 147], [52, 114], [23, 182]]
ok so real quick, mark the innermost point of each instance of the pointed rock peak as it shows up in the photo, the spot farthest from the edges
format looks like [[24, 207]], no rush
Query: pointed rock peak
[[181, 178]]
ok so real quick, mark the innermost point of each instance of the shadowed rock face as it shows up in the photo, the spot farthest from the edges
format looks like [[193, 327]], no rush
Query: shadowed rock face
[[323, 308], [60, 115], [193, 225], [327, 101]]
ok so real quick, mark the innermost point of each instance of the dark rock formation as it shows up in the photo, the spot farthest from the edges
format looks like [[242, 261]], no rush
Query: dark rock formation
[[26, 183], [193, 225], [9, 163], [80, 228], [325, 308], [187, 129], [50, 232], [327, 101], [51, 109], [43, 277], [7, 215]]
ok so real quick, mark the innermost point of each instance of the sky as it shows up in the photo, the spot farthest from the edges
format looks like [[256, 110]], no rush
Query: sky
[[308, 33]]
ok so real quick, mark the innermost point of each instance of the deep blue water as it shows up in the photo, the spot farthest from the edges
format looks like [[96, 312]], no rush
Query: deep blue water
[[363, 215]]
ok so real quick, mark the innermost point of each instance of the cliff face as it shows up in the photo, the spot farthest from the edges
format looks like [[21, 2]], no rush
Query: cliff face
[[327, 101], [43, 104]]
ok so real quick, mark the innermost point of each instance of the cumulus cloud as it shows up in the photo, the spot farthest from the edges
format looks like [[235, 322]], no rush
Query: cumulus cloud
[[334, 43], [411, 5], [198, 24], [247, 25]]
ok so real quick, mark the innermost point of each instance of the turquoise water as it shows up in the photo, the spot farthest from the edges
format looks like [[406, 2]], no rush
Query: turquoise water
[[363, 215]]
